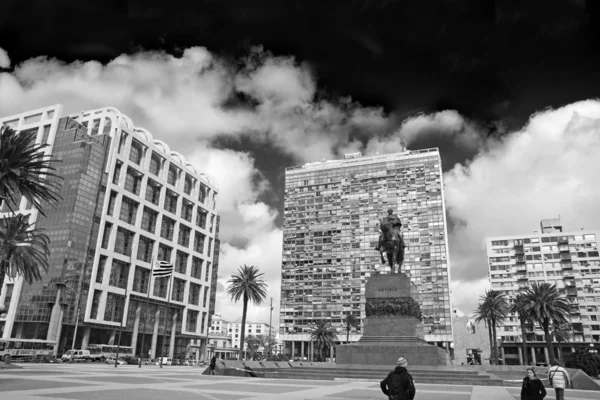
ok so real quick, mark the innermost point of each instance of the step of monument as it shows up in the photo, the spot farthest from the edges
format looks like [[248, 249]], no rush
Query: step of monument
[[376, 373], [480, 381], [380, 370]]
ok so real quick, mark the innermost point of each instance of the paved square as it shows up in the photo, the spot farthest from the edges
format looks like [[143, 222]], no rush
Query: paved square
[[100, 381]]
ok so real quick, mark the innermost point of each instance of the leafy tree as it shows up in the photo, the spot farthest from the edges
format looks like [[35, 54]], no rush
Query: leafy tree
[[520, 305], [492, 309], [23, 249], [547, 307], [246, 284], [253, 344], [585, 361], [323, 336], [350, 321], [26, 171]]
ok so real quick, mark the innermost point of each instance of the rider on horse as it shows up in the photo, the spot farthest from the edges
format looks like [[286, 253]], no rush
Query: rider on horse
[[395, 224]]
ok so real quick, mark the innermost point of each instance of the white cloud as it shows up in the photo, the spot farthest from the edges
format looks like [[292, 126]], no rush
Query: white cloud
[[4, 59], [548, 168]]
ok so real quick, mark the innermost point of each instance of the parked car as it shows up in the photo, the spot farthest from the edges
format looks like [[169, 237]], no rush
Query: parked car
[[49, 360], [112, 361], [147, 361], [131, 360], [165, 361], [77, 356]]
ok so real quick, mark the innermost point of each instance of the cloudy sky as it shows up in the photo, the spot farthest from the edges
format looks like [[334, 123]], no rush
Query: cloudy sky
[[245, 88]]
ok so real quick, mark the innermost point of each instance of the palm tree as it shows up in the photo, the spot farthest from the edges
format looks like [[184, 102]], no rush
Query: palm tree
[[26, 171], [350, 321], [492, 310], [323, 335], [547, 307], [561, 333], [246, 284], [520, 305], [23, 250]]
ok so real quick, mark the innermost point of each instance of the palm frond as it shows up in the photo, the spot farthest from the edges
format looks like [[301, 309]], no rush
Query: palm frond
[[26, 171], [247, 282]]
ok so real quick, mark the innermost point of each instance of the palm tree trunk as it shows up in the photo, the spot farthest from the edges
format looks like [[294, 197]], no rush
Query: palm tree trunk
[[524, 334], [3, 265], [243, 335], [492, 350], [495, 341], [560, 353], [347, 332], [545, 325]]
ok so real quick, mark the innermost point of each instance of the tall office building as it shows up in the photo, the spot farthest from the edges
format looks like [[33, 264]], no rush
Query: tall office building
[[128, 201], [332, 210], [568, 260]]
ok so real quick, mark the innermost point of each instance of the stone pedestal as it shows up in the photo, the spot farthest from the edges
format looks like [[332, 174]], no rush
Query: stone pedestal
[[392, 328]]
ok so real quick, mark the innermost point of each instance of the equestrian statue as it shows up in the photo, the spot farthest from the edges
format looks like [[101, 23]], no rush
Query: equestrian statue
[[390, 241]]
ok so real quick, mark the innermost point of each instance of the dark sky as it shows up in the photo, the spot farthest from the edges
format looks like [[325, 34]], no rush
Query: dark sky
[[492, 60]]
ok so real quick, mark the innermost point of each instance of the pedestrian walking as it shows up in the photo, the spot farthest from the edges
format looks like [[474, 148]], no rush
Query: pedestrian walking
[[559, 379], [533, 388], [399, 384], [213, 364]]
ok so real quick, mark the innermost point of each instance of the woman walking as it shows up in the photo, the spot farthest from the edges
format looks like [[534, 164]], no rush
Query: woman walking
[[533, 388]]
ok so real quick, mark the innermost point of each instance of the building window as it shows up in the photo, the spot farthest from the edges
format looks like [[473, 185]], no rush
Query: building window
[[160, 286], [183, 238], [136, 152], [186, 210], [145, 247], [100, 271], [8, 295], [207, 271], [194, 295], [178, 289], [203, 322], [119, 274], [164, 252], [95, 304], [171, 202], [141, 280], [156, 162], [117, 173], [173, 175], [115, 304], [201, 217], [111, 202], [188, 185], [203, 193], [210, 243], [129, 210], [124, 242], [122, 141], [205, 301], [181, 262], [199, 239], [149, 217], [212, 223], [106, 234], [133, 181], [153, 192], [167, 228], [192, 321], [196, 268]]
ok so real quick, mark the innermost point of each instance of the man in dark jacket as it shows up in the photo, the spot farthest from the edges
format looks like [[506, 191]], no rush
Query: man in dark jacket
[[399, 384]]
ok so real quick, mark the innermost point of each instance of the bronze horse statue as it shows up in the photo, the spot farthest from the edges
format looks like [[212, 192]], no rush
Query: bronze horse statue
[[392, 245]]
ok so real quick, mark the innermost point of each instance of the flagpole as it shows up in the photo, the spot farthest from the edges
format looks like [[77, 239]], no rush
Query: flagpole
[[146, 312], [162, 351]]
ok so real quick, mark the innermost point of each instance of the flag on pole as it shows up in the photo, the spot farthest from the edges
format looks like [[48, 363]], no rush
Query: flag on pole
[[163, 268]]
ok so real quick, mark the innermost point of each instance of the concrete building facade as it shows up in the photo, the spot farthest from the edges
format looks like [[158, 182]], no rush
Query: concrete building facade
[[569, 260], [331, 216], [471, 342], [128, 202]]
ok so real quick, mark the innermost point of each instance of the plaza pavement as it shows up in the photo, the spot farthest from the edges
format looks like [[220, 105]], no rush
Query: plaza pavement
[[100, 381]]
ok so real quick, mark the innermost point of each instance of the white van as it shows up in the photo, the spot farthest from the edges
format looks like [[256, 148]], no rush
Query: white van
[[77, 356], [165, 361]]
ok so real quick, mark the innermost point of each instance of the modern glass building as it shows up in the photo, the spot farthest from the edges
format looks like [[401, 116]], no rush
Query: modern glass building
[[332, 209], [569, 260], [128, 202]]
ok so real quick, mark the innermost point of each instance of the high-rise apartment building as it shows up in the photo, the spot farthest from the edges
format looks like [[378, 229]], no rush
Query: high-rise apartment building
[[331, 216], [128, 202], [569, 260]]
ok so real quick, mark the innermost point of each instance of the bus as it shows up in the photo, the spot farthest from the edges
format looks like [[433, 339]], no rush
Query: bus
[[20, 348], [100, 352]]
